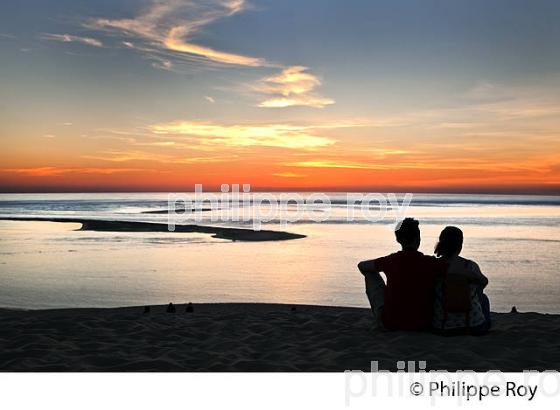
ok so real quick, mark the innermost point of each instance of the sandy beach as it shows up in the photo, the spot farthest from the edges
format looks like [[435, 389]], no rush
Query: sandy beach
[[259, 337]]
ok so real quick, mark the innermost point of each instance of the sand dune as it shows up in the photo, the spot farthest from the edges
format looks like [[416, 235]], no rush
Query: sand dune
[[259, 337]]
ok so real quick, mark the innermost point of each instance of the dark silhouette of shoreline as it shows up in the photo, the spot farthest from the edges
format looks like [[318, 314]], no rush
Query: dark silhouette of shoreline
[[179, 211], [233, 234]]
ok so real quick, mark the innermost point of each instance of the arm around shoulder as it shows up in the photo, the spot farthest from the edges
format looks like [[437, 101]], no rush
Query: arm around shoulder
[[367, 267], [477, 275]]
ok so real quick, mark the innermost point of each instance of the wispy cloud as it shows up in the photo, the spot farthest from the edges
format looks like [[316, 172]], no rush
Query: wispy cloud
[[166, 33], [268, 135], [68, 38], [145, 156], [293, 86], [175, 41], [520, 109], [57, 171], [335, 164], [428, 161], [163, 64], [172, 25], [289, 175], [485, 91], [503, 102]]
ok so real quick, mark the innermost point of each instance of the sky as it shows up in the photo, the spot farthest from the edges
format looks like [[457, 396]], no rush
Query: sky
[[361, 95]]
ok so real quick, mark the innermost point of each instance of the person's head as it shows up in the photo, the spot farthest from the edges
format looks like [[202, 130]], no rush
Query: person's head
[[450, 242], [408, 234]]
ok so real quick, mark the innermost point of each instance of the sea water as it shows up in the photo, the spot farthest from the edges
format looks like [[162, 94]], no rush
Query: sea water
[[514, 239]]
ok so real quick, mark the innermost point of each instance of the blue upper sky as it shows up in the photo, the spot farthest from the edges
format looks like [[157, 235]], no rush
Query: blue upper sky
[[399, 52]]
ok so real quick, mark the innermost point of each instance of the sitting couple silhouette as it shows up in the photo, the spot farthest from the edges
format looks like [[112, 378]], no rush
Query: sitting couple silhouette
[[442, 294]]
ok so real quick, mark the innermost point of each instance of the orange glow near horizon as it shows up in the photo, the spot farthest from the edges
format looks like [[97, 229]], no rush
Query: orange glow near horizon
[[176, 155], [145, 175], [172, 94]]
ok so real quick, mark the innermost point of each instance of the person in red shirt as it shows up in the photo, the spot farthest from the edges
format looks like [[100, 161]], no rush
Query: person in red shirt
[[406, 301]]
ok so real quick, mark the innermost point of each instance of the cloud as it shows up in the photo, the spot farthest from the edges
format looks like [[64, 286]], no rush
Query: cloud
[[174, 41], [171, 26], [431, 161], [293, 86], [289, 175], [292, 80], [68, 38], [520, 109], [487, 92], [144, 156], [166, 31], [209, 99], [336, 164], [163, 64], [505, 103], [268, 135], [56, 171], [301, 100]]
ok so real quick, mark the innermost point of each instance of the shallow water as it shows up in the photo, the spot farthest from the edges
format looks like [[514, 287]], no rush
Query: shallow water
[[515, 240]]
